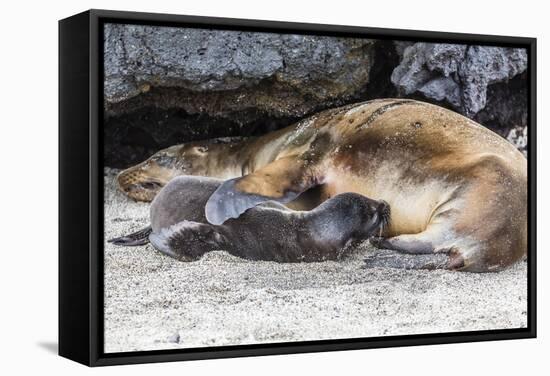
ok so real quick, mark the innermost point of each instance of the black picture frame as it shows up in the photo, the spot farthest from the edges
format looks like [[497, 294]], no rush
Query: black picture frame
[[81, 189]]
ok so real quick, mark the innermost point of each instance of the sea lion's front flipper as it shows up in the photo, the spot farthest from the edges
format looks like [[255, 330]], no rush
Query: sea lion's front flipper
[[282, 181], [396, 260]]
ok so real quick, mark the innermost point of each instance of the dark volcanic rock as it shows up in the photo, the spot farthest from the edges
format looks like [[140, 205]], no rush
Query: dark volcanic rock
[[518, 137], [165, 86], [220, 73], [506, 106], [459, 75]]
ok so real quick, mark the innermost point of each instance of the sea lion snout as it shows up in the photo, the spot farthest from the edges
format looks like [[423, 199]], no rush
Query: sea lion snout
[[375, 216], [384, 211], [380, 218], [140, 186], [143, 181], [359, 214], [143, 191]]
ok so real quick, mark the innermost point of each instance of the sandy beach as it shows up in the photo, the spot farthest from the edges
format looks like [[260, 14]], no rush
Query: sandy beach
[[155, 302]]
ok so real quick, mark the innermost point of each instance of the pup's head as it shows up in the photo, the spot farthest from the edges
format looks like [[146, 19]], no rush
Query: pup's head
[[368, 217]]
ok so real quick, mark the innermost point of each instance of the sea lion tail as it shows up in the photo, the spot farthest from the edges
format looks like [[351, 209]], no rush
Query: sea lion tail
[[140, 237]]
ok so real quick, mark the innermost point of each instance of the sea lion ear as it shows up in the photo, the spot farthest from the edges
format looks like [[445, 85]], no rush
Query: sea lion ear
[[281, 181]]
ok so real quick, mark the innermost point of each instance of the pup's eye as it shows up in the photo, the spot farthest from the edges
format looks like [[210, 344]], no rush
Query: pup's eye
[[163, 160]]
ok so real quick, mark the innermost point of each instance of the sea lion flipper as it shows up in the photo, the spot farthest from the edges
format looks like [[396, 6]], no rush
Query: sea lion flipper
[[187, 240], [140, 237], [425, 250], [396, 260], [229, 202], [282, 181], [414, 244]]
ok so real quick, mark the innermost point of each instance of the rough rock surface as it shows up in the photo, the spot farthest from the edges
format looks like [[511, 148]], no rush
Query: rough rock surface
[[165, 86], [518, 137], [219, 72], [458, 74], [506, 106]]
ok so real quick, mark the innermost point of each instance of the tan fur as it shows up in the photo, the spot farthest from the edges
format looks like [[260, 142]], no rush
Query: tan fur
[[444, 176]]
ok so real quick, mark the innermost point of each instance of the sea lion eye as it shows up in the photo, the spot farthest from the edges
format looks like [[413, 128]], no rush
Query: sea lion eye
[[163, 160]]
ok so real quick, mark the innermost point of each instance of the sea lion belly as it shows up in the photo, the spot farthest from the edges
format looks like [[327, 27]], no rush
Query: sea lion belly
[[412, 205]]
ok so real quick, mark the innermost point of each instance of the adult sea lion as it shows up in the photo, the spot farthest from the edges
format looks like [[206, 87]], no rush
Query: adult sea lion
[[455, 187], [269, 231]]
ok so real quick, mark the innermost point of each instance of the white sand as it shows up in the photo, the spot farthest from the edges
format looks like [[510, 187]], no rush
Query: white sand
[[155, 302]]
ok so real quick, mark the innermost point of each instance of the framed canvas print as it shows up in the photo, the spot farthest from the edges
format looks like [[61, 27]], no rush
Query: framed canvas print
[[238, 187]]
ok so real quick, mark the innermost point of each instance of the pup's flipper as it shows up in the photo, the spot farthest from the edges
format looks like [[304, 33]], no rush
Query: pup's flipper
[[140, 237], [282, 181], [187, 240]]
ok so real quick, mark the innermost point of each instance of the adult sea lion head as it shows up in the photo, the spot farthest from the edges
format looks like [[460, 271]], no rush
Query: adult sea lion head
[[205, 158]]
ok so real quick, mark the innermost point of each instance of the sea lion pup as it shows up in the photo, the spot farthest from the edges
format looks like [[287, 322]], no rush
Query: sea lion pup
[[269, 231], [455, 187], [182, 199]]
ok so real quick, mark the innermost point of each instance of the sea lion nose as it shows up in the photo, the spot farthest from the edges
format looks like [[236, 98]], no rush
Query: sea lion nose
[[384, 210], [123, 180], [383, 206]]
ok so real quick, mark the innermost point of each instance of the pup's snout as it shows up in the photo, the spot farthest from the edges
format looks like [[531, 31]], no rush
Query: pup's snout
[[384, 211], [383, 207]]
